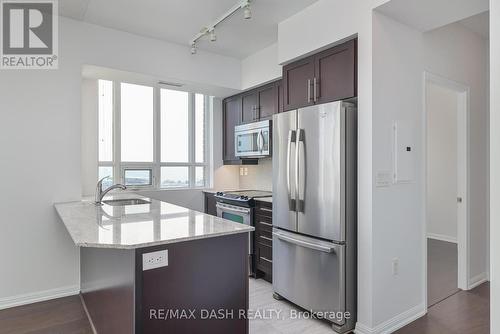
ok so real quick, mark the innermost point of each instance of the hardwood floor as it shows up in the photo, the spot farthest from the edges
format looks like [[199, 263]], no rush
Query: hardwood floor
[[58, 316], [464, 312], [442, 270]]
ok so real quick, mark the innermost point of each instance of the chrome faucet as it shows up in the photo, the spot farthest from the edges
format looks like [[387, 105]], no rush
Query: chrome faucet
[[99, 193]]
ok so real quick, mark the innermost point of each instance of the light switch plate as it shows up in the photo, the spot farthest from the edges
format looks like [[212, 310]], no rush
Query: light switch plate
[[155, 260]]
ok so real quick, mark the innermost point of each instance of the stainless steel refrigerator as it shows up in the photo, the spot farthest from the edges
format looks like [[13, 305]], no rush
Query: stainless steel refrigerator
[[314, 210]]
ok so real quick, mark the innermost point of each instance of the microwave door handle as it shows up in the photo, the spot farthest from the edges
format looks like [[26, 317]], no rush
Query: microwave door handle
[[261, 136], [258, 141], [291, 139]]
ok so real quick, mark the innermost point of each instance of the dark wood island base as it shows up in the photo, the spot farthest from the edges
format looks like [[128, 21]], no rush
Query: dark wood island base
[[204, 288]]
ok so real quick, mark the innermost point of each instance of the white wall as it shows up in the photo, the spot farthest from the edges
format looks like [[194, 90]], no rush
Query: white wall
[[90, 101], [442, 117], [495, 164], [260, 67], [41, 121], [401, 54]]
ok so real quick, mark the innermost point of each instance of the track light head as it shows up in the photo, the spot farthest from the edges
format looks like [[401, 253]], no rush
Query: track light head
[[247, 12], [193, 48], [213, 36]]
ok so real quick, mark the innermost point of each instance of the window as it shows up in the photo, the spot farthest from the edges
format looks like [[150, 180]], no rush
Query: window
[[138, 177], [136, 115], [143, 143]]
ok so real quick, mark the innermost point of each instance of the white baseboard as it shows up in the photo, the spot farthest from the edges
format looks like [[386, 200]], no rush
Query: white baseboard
[[478, 280], [442, 237], [39, 296], [393, 324]]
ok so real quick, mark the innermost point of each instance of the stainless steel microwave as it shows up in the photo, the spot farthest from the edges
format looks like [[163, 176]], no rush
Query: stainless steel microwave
[[253, 140]]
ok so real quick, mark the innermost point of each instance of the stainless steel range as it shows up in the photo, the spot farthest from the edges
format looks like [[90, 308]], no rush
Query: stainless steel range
[[238, 206]]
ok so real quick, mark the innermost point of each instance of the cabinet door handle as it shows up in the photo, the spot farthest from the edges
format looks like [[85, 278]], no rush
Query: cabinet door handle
[[266, 224], [266, 209], [266, 238], [308, 90], [266, 259], [315, 90]]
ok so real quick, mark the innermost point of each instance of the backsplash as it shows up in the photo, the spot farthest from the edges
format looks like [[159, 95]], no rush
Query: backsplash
[[259, 177]]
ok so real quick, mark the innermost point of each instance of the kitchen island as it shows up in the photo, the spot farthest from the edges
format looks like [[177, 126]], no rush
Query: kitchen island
[[150, 267]]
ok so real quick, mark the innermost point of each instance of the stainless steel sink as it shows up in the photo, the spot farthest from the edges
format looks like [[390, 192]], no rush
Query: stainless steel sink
[[124, 202]]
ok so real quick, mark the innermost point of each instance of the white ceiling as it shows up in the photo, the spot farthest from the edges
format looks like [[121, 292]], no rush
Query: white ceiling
[[179, 20], [480, 24], [425, 15]]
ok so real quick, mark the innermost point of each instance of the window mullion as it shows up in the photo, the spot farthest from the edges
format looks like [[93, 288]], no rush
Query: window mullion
[[157, 137], [117, 173], [191, 139], [207, 143]]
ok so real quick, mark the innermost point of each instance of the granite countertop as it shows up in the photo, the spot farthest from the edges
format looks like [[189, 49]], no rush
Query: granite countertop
[[138, 226]]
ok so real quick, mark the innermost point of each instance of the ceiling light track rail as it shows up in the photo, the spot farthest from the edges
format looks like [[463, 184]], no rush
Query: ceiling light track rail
[[210, 29]]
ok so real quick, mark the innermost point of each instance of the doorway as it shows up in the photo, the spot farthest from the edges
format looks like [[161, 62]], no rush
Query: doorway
[[446, 126]]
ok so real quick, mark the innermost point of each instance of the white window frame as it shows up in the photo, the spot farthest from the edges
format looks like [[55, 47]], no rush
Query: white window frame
[[120, 166]]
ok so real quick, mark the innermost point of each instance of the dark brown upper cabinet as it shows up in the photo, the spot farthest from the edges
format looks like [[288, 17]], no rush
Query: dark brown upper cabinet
[[324, 77], [267, 101], [231, 116], [335, 73], [250, 105], [279, 96], [297, 83], [259, 103]]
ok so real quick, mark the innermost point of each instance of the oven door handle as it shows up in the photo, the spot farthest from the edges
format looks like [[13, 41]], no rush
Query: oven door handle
[[231, 208]]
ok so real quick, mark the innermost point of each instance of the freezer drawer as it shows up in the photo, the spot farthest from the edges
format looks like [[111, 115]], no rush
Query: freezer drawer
[[310, 273]]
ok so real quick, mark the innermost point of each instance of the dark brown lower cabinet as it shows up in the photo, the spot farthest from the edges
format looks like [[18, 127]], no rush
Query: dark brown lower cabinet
[[263, 240], [210, 204], [204, 288]]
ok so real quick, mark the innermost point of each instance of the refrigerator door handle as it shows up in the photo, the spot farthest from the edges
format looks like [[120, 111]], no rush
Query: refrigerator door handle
[[303, 243], [299, 201], [291, 139]]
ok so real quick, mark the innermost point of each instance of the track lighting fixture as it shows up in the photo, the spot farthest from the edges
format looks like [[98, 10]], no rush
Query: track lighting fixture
[[247, 12], [210, 29], [213, 36]]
